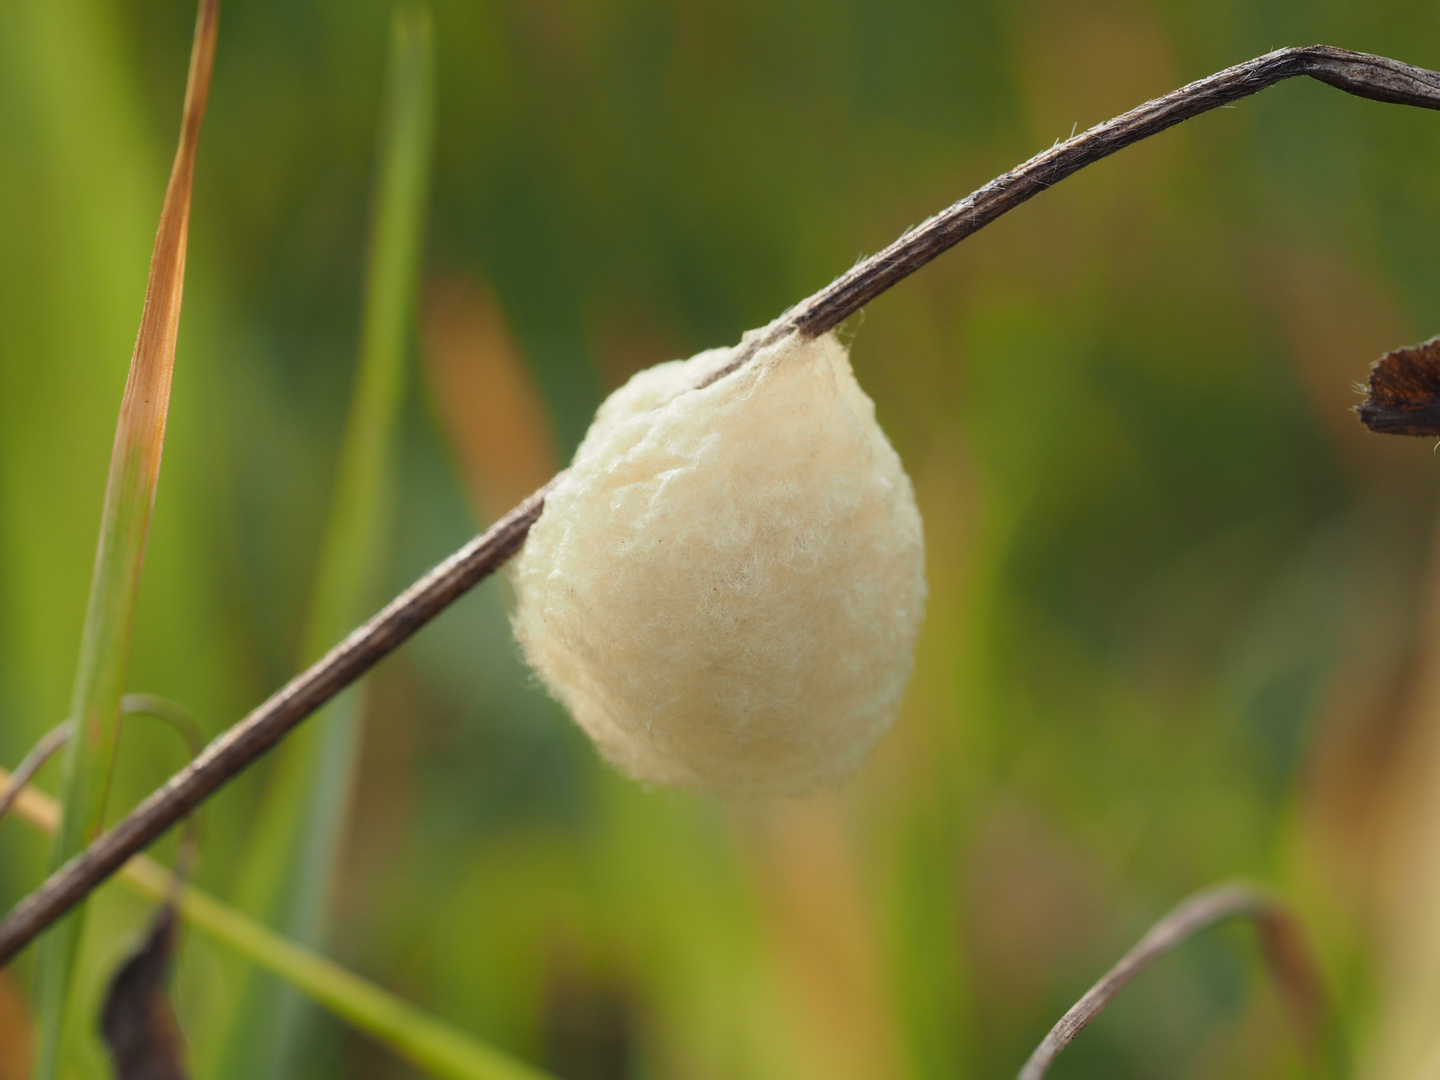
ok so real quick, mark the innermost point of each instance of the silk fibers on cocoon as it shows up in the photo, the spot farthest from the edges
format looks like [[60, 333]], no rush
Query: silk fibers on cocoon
[[725, 587]]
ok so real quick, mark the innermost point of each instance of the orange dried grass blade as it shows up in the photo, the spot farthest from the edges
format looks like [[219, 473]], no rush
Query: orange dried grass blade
[[124, 527]]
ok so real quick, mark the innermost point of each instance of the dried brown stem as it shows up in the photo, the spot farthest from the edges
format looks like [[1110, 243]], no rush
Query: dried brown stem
[[1356, 73], [1295, 974], [1362, 74], [266, 725]]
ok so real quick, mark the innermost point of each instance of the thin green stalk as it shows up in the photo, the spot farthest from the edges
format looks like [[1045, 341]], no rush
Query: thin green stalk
[[124, 526], [290, 862], [424, 1040], [414, 1034]]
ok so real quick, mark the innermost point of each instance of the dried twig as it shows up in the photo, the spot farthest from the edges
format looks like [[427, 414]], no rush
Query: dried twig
[[1294, 972], [266, 725], [1357, 73]]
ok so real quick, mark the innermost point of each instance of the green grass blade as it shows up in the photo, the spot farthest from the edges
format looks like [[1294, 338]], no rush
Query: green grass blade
[[289, 864], [124, 526], [422, 1039], [414, 1034]]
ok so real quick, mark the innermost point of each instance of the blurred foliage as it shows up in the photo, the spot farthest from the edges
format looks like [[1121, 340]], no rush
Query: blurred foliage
[[1183, 621], [288, 868]]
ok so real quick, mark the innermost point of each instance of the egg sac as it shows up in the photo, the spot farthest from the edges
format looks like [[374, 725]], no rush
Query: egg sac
[[725, 587]]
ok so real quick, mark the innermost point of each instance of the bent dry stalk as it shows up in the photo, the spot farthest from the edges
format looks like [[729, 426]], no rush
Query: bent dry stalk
[[1362, 74], [43, 751], [1286, 954]]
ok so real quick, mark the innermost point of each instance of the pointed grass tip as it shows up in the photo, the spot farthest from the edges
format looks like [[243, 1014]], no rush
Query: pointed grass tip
[[1403, 395]]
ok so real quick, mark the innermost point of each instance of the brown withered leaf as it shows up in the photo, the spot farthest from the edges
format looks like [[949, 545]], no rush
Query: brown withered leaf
[[138, 1021], [1404, 392]]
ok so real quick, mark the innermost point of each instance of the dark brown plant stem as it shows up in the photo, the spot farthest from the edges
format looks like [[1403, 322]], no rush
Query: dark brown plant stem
[[1295, 974], [42, 752], [266, 725], [1357, 73]]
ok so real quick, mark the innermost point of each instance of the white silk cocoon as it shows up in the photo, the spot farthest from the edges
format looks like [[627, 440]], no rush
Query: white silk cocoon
[[725, 587]]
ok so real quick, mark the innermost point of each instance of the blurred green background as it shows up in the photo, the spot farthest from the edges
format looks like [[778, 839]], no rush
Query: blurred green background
[[1185, 613]]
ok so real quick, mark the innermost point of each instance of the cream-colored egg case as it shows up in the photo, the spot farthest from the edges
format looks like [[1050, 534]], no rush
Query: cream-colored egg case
[[725, 587]]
